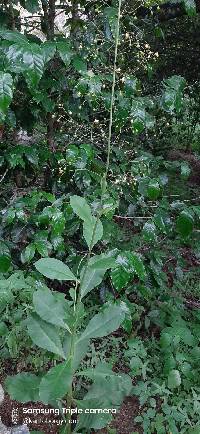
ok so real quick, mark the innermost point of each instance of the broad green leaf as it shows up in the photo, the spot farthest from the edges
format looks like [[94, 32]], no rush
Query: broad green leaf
[[3, 330], [94, 274], [48, 50], [120, 277], [86, 421], [174, 379], [131, 85], [79, 65], [44, 335], [92, 231], [136, 263], [140, 118], [80, 350], [103, 261], [81, 208], [49, 308], [104, 323], [31, 6], [184, 223], [56, 383], [90, 279], [153, 190], [33, 60], [28, 253], [54, 269], [42, 247], [173, 91], [6, 93], [131, 263], [58, 222], [107, 391], [162, 221], [64, 51], [5, 263], [11, 36], [110, 389], [23, 387]]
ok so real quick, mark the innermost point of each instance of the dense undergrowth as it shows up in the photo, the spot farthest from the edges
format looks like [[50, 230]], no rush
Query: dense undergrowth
[[99, 239]]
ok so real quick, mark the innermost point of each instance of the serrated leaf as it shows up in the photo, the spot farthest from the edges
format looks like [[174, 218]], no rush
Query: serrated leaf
[[23, 387], [54, 269], [49, 308], [44, 335], [174, 379], [104, 323], [56, 383], [6, 93]]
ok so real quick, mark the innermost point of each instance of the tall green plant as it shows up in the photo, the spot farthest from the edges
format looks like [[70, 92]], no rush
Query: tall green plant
[[56, 324]]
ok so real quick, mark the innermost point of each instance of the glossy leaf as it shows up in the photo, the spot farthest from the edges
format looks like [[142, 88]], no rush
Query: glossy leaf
[[33, 60], [120, 277], [6, 93], [64, 51], [185, 223], [13, 36], [28, 253]]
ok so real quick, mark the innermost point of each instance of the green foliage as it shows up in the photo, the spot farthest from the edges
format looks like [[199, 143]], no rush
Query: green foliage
[[114, 233]]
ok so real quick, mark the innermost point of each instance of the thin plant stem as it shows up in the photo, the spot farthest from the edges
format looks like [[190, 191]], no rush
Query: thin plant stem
[[77, 300]]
